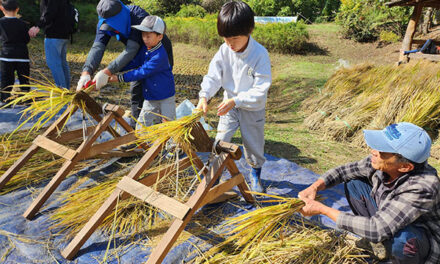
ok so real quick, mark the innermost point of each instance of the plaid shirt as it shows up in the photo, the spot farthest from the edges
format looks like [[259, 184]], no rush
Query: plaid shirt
[[415, 198]]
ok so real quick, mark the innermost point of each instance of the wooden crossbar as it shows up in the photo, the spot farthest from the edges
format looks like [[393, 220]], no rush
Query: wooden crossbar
[[55, 147], [154, 198]]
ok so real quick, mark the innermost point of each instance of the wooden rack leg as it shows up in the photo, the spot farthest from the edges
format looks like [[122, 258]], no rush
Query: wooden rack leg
[[72, 249], [243, 187], [17, 165], [167, 241], [66, 168], [34, 148]]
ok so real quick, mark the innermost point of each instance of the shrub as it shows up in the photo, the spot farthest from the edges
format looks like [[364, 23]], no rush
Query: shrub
[[29, 10], [162, 7], [279, 37], [388, 37], [191, 11], [88, 18], [363, 20], [213, 6]]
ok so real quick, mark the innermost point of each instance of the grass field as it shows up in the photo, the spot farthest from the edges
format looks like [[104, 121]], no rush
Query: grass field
[[295, 77]]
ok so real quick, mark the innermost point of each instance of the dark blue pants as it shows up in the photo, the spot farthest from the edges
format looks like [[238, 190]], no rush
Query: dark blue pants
[[409, 245]]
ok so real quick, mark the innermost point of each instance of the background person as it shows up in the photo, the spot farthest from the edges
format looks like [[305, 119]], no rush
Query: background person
[[54, 20], [393, 193], [14, 55]]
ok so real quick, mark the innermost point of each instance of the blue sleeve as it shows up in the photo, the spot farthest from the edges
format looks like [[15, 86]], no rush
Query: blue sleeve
[[137, 61], [158, 62]]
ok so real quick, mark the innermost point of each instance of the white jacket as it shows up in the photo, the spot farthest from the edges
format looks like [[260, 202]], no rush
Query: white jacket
[[245, 76]]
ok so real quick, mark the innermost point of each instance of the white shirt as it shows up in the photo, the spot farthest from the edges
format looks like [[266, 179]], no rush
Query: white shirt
[[245, 76]]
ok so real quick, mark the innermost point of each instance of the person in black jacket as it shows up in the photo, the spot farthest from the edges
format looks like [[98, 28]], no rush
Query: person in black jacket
[[116, 19], [14, 55], [54, 21]]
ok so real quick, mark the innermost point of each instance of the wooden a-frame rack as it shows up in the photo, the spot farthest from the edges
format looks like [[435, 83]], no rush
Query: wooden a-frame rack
[[182, 212], [52, 141]]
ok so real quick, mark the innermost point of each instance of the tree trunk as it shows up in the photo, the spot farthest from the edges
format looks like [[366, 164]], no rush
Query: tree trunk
[[427, 20]]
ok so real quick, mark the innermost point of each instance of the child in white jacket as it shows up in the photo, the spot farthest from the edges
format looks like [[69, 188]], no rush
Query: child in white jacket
[[242, 68]]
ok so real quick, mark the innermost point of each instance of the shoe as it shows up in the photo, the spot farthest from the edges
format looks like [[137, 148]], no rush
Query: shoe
[[378, 250], [255, 180]]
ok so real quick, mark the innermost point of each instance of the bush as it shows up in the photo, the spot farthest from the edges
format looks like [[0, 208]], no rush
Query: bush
[[363, 20], [388, 37], [191, 11], [88, 18], [29, 10], [213, 6], [279, 37], [162, 7]]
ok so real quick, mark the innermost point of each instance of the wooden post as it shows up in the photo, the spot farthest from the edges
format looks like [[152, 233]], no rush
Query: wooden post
[[410, 30]]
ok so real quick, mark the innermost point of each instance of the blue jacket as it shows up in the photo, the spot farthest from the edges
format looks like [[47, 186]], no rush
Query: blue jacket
[[152, 67]]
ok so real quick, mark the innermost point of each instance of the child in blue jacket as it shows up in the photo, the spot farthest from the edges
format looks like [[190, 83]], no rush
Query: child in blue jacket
[[152, 67]]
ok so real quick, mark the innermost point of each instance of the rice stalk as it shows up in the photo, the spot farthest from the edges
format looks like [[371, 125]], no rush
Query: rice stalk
[[45, 101]]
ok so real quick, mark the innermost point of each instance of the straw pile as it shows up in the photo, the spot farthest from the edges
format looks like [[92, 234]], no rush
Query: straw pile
[[371, 97], [277, 234]]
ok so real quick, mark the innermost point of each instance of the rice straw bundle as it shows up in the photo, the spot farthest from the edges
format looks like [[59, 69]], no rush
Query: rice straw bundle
[[268, 235], [45, 102], [372, 97], [178, 130]]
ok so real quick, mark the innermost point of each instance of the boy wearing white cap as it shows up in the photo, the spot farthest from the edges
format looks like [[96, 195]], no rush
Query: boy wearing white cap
[[393, 193], [152, 68]]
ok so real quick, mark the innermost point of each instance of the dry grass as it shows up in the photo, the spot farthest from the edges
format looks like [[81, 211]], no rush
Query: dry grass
[[371, 97]]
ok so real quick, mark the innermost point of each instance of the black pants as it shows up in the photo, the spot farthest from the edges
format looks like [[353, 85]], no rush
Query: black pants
[[7, 71], [137, 100]]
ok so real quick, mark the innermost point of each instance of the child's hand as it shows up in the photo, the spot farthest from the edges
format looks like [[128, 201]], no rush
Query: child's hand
[[225, 106], [113, 78], [33, 31], [203, 105]]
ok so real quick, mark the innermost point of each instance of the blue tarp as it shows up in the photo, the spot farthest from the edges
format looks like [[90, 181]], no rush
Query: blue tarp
[[273, 19], [24, 241]]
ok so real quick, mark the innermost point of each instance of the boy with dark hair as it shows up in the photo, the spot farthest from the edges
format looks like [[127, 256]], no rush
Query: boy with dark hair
[[242, 68], [151, 66], [14, 56]]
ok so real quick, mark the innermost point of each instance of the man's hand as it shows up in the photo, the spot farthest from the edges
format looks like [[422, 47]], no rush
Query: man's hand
[[203, 105], [101, 78], [310, 192], [225, 106], [33, 31], [85, 77], [312, 207]]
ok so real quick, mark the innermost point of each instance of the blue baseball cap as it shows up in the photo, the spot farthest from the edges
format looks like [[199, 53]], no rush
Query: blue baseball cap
[[406, 139]]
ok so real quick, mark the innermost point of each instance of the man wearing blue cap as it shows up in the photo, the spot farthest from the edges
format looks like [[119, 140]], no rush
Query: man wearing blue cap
[[117, 19], [393, 193]]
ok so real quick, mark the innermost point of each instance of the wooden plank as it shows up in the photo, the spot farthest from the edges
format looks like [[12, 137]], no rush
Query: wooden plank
[[430, 57], [167, 241], [109, 145], [128, 128], [115, 109], [230, 148], [116, 153], [410, 30], [71, 135], [243, 187], [154, 198], [18, 164], [221, 188], [72, 249], [55, 147], [66, 168]]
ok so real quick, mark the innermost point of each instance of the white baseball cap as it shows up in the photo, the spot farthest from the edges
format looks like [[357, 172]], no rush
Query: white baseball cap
[[151, 24]]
